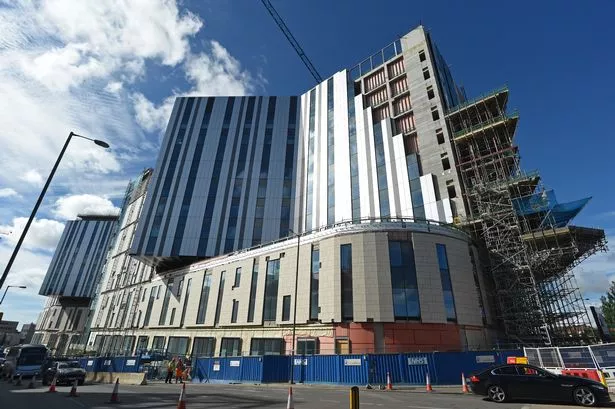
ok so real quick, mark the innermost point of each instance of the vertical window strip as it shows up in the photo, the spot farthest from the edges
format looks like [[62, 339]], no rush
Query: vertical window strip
[[381, 171], [310, 161], [186, 298], [416, 192], [215, 179], [403, 281], [447, 287], [239, 178], [204, 300], [330, 154], [165, 303], [253, 287], [271, 290], [168, 178], [289, 161], [194, 168], [354, 159], [261, 194], [346, 280], [314, 282], [220, 298]]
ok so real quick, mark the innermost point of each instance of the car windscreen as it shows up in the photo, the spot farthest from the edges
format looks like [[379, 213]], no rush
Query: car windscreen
[[32, 356], [66, 365]]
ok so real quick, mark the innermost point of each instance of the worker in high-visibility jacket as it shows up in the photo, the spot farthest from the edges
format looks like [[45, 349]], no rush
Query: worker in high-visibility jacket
[[170, 371]]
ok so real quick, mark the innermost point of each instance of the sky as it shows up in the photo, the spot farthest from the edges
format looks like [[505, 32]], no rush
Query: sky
[[110, 69]]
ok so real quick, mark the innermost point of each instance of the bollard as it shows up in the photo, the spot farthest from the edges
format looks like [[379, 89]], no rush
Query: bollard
[[354, 398]]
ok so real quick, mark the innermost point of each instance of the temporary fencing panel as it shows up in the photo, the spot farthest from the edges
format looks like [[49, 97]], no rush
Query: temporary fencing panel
[[577, 357], [275, 368], [353, 369], [450, 365]]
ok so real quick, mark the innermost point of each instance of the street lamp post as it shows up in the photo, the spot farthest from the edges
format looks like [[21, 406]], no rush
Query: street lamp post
[[292, 356], [40, 199], [7, 288]]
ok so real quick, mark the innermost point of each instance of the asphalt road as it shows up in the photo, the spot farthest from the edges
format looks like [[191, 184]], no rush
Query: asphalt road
[[160, 395]]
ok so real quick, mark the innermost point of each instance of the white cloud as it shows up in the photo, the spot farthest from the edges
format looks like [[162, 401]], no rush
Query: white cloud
[[114, 87], [43, 233], [210, 73], [70, 207], [33, 177], [8, 192]]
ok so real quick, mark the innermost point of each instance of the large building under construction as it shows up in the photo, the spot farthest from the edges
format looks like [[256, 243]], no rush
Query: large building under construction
[[380, 211]]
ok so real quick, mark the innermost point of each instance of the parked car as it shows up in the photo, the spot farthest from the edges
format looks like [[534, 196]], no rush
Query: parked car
[[65, 372], [527, 382]]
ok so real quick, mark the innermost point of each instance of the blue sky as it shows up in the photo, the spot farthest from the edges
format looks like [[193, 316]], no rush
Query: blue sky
[[64, 66]]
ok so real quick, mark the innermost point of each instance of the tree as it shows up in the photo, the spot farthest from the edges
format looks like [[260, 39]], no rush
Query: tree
[[608, 305]]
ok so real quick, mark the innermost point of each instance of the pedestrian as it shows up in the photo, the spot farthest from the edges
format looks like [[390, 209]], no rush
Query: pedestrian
[[170, 371], [179, 371]]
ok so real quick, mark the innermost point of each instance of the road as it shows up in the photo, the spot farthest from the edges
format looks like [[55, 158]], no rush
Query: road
[[160, 395]]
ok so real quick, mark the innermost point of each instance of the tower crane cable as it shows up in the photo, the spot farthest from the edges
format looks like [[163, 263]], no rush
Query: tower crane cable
[[292, 40]]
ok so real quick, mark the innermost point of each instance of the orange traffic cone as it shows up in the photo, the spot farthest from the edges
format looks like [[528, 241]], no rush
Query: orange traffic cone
[[389, 383], [428, 383], [73, 391], [52, 387], [464, 385], [114, 395], [181, 404], [290, 404]]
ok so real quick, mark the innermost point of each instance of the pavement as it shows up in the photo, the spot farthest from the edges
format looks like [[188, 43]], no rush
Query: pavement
[[245, 396]]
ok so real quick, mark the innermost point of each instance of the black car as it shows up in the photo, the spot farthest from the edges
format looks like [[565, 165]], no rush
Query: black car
[[527, 382], [64, 371]]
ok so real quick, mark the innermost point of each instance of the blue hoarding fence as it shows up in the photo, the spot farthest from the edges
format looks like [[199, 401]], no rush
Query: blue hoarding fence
[[444, 368], [112, 364]]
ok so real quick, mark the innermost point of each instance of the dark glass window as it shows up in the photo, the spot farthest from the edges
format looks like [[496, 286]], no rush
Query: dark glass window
[[271, 290], [234, 311], [253, 287], [165, 303], [178, 346], [142, 342], [314, 282], [150, 304], [203, 347], [307, 346], [447, 287], [267, 346], [346, 273], [200, 318], [183, 316], [403, 280], [158, 344], [440, 136], [383, 190], [422, 56], [230, 347], [286, 308], [330, 153], [310, 158], [220, 298], [237, 277]]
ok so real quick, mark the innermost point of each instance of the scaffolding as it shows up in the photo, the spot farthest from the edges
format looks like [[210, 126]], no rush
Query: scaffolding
[[531, 247]]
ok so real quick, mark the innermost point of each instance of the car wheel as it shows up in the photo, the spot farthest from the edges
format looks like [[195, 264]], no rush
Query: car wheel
[[584, 396], [496, 393]]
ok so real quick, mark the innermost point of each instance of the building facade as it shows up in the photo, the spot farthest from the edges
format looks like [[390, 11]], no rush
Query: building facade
[[72, 276]]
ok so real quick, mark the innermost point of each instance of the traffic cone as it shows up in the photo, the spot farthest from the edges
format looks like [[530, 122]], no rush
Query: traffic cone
[[428, 387], [73, 391], [52, 387], [32, 382], [18, 382], [114, 395], [181, 404], [290, 404], [464, 385], [389, 383]]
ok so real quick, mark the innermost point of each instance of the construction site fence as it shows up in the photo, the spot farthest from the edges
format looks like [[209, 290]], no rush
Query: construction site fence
[[444, 368]]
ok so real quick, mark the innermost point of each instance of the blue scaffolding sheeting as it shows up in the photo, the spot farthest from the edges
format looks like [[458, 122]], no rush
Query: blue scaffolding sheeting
[[545, 203]]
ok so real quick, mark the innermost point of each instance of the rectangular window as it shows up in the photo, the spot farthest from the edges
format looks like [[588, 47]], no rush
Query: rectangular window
[[266, 346], [158, 291], [286, 308], [142, 342], [271, 290], [307, 346], [183, 316], [422, 56], [435, 114], [342, 346], [346, 273], [426, 73], [180, 287], [314, 282], [447, 287], [178, 346], [172, 319], [253, 287], [158, 344], [446, 164], [150, 304], [203, 347], [430, 92], [200, 318], [165, 303], [234, 312], [220, 298], [450, 187], [230, 347], [403, 281], [440, 136], [237, 277]]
